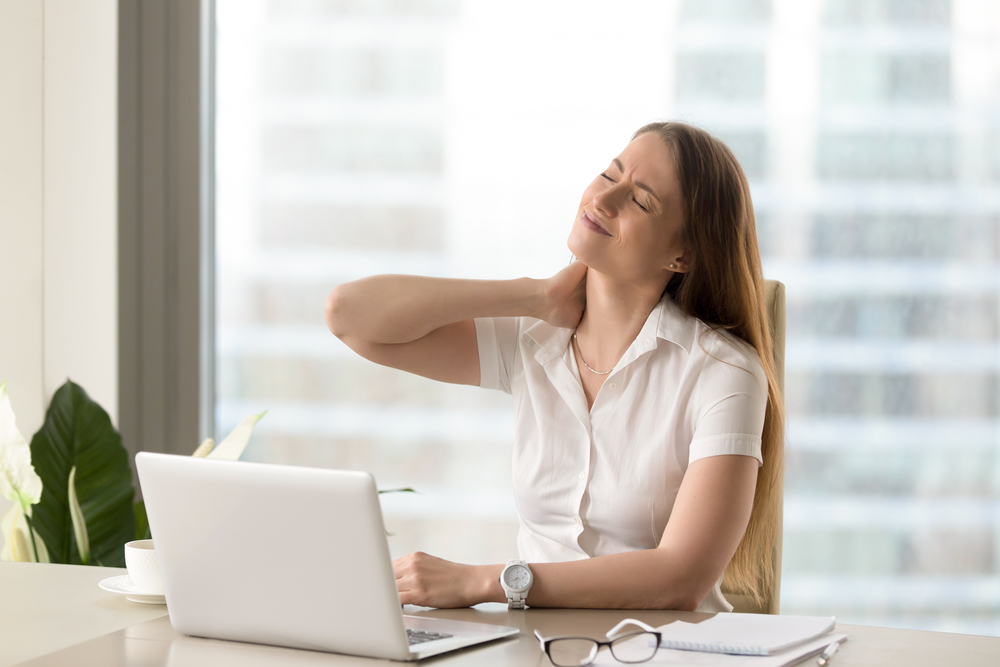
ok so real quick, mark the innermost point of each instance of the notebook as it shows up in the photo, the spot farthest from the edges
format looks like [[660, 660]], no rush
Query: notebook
[[675, 658], [744, 634]]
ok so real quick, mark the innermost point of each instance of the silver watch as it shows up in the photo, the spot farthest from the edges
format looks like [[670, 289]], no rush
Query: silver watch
[[516, 580]]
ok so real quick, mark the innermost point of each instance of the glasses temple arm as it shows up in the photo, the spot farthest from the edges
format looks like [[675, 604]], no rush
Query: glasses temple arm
[[615, 631]]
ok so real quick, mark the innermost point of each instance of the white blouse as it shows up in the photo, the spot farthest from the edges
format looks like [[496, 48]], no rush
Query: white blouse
[[603, 481]]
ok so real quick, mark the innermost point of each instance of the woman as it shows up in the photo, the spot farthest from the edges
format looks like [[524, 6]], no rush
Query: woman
[[648, 421]]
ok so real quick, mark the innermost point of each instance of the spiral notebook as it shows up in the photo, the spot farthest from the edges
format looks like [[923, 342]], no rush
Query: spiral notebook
[[676, 658], [745, 634]]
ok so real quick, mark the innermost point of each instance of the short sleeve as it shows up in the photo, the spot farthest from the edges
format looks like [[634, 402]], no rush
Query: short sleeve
[[496, 338], [732, 397]]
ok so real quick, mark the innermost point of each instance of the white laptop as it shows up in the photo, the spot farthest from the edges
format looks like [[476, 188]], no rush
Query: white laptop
[[286, 556]]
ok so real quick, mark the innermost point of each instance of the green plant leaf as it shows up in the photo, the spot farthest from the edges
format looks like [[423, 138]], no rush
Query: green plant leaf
[[18, 480], [78, 433], [232, 446], [141, 521], [76, 515]]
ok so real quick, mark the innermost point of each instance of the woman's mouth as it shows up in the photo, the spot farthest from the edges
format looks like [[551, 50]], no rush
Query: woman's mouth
[[593, 225]]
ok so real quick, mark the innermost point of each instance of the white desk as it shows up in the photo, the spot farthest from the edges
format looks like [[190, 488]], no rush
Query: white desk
[[44, 609]]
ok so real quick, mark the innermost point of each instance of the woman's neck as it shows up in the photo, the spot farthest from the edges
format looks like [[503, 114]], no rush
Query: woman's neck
[[613, 317]]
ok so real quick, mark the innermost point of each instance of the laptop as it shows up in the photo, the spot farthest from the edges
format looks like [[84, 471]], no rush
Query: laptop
[[287, 556]]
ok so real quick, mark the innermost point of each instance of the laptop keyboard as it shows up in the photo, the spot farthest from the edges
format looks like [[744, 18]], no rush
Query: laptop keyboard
[[421, 636]]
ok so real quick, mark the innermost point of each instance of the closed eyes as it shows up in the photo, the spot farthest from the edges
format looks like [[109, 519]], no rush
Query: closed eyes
[[608, 178]]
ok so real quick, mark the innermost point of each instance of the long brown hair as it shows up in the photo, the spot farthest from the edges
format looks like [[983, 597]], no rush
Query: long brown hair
[[724, 288]]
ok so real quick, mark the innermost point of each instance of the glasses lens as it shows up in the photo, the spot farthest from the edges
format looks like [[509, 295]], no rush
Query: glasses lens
[[634, 647], [572, 651]]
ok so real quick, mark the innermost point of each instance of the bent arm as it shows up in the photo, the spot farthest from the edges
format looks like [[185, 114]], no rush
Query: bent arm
[[708, 520], [425, 325], [394, 309]]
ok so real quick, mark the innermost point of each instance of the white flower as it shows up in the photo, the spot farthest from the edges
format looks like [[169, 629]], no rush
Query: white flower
[[17, 545], [231, 448], [21, 484], [18, 480]]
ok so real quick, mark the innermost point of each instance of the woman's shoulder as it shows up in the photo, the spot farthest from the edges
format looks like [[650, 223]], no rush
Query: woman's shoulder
[[706, 343], [515, 325], [723, 347], [518, 330]]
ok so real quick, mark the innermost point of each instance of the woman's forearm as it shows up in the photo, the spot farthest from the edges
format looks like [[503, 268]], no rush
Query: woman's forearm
[[399, 309], [646, 579]]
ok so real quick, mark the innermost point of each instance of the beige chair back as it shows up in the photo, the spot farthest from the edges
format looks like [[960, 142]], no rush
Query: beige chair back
[[774, 294]]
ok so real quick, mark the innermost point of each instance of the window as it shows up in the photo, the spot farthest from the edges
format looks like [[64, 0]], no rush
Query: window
[[453, 137]]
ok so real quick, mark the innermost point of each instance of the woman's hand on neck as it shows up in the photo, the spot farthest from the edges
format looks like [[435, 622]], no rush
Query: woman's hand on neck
[[564, 297], [615, 313]]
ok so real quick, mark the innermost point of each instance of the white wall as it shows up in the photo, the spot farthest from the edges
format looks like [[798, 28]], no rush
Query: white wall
[[80, 227], [58, 203]]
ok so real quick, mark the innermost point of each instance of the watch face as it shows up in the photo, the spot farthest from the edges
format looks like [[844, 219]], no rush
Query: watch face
[[517, 577]]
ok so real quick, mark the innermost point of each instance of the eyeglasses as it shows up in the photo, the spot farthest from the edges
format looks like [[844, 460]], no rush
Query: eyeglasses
[[628, 647]]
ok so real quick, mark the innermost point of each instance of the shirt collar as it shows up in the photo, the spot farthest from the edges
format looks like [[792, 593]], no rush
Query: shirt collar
[[675, 325], [665, 321]]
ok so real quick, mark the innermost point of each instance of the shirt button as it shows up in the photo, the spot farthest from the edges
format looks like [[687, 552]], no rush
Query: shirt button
[[577, 520], [583, 475], [612, 386]]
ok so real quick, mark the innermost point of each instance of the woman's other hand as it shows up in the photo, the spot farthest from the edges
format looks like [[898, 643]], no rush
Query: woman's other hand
[[566, 296], [434, 582]]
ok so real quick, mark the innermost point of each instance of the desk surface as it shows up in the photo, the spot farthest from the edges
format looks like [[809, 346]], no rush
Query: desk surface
[[48, 608]]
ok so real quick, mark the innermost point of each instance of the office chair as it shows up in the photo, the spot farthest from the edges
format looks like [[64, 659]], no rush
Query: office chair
[[774, 294]]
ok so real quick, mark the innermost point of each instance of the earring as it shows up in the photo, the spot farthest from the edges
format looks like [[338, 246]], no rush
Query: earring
[[673, 266]]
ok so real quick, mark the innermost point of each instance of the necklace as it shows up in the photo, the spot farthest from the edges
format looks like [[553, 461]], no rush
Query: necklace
[[585, 361]]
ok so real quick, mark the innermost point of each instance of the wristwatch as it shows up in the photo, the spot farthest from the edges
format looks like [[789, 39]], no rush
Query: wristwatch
[[516, 580]]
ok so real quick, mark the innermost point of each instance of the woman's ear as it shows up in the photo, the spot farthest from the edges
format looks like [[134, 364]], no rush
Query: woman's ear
[[679, 264]]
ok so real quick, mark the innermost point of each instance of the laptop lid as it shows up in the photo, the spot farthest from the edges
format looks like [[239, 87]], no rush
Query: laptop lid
[[273, 554]]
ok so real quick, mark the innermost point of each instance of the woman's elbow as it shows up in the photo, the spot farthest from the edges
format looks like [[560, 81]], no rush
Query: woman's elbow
[[686, 595], [688, 603], [333, 311], [673, 600], [680, 598]]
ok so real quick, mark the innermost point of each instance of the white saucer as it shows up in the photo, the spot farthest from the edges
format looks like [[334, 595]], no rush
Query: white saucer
[[123, 585]]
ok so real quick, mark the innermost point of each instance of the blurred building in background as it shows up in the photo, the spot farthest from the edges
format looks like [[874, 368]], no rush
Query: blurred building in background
[[451, 137]]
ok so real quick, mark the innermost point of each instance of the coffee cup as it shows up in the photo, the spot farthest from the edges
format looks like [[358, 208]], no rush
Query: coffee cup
[[143, 570]]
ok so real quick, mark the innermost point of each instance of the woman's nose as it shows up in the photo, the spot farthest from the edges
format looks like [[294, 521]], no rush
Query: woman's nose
[[607, 201]]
